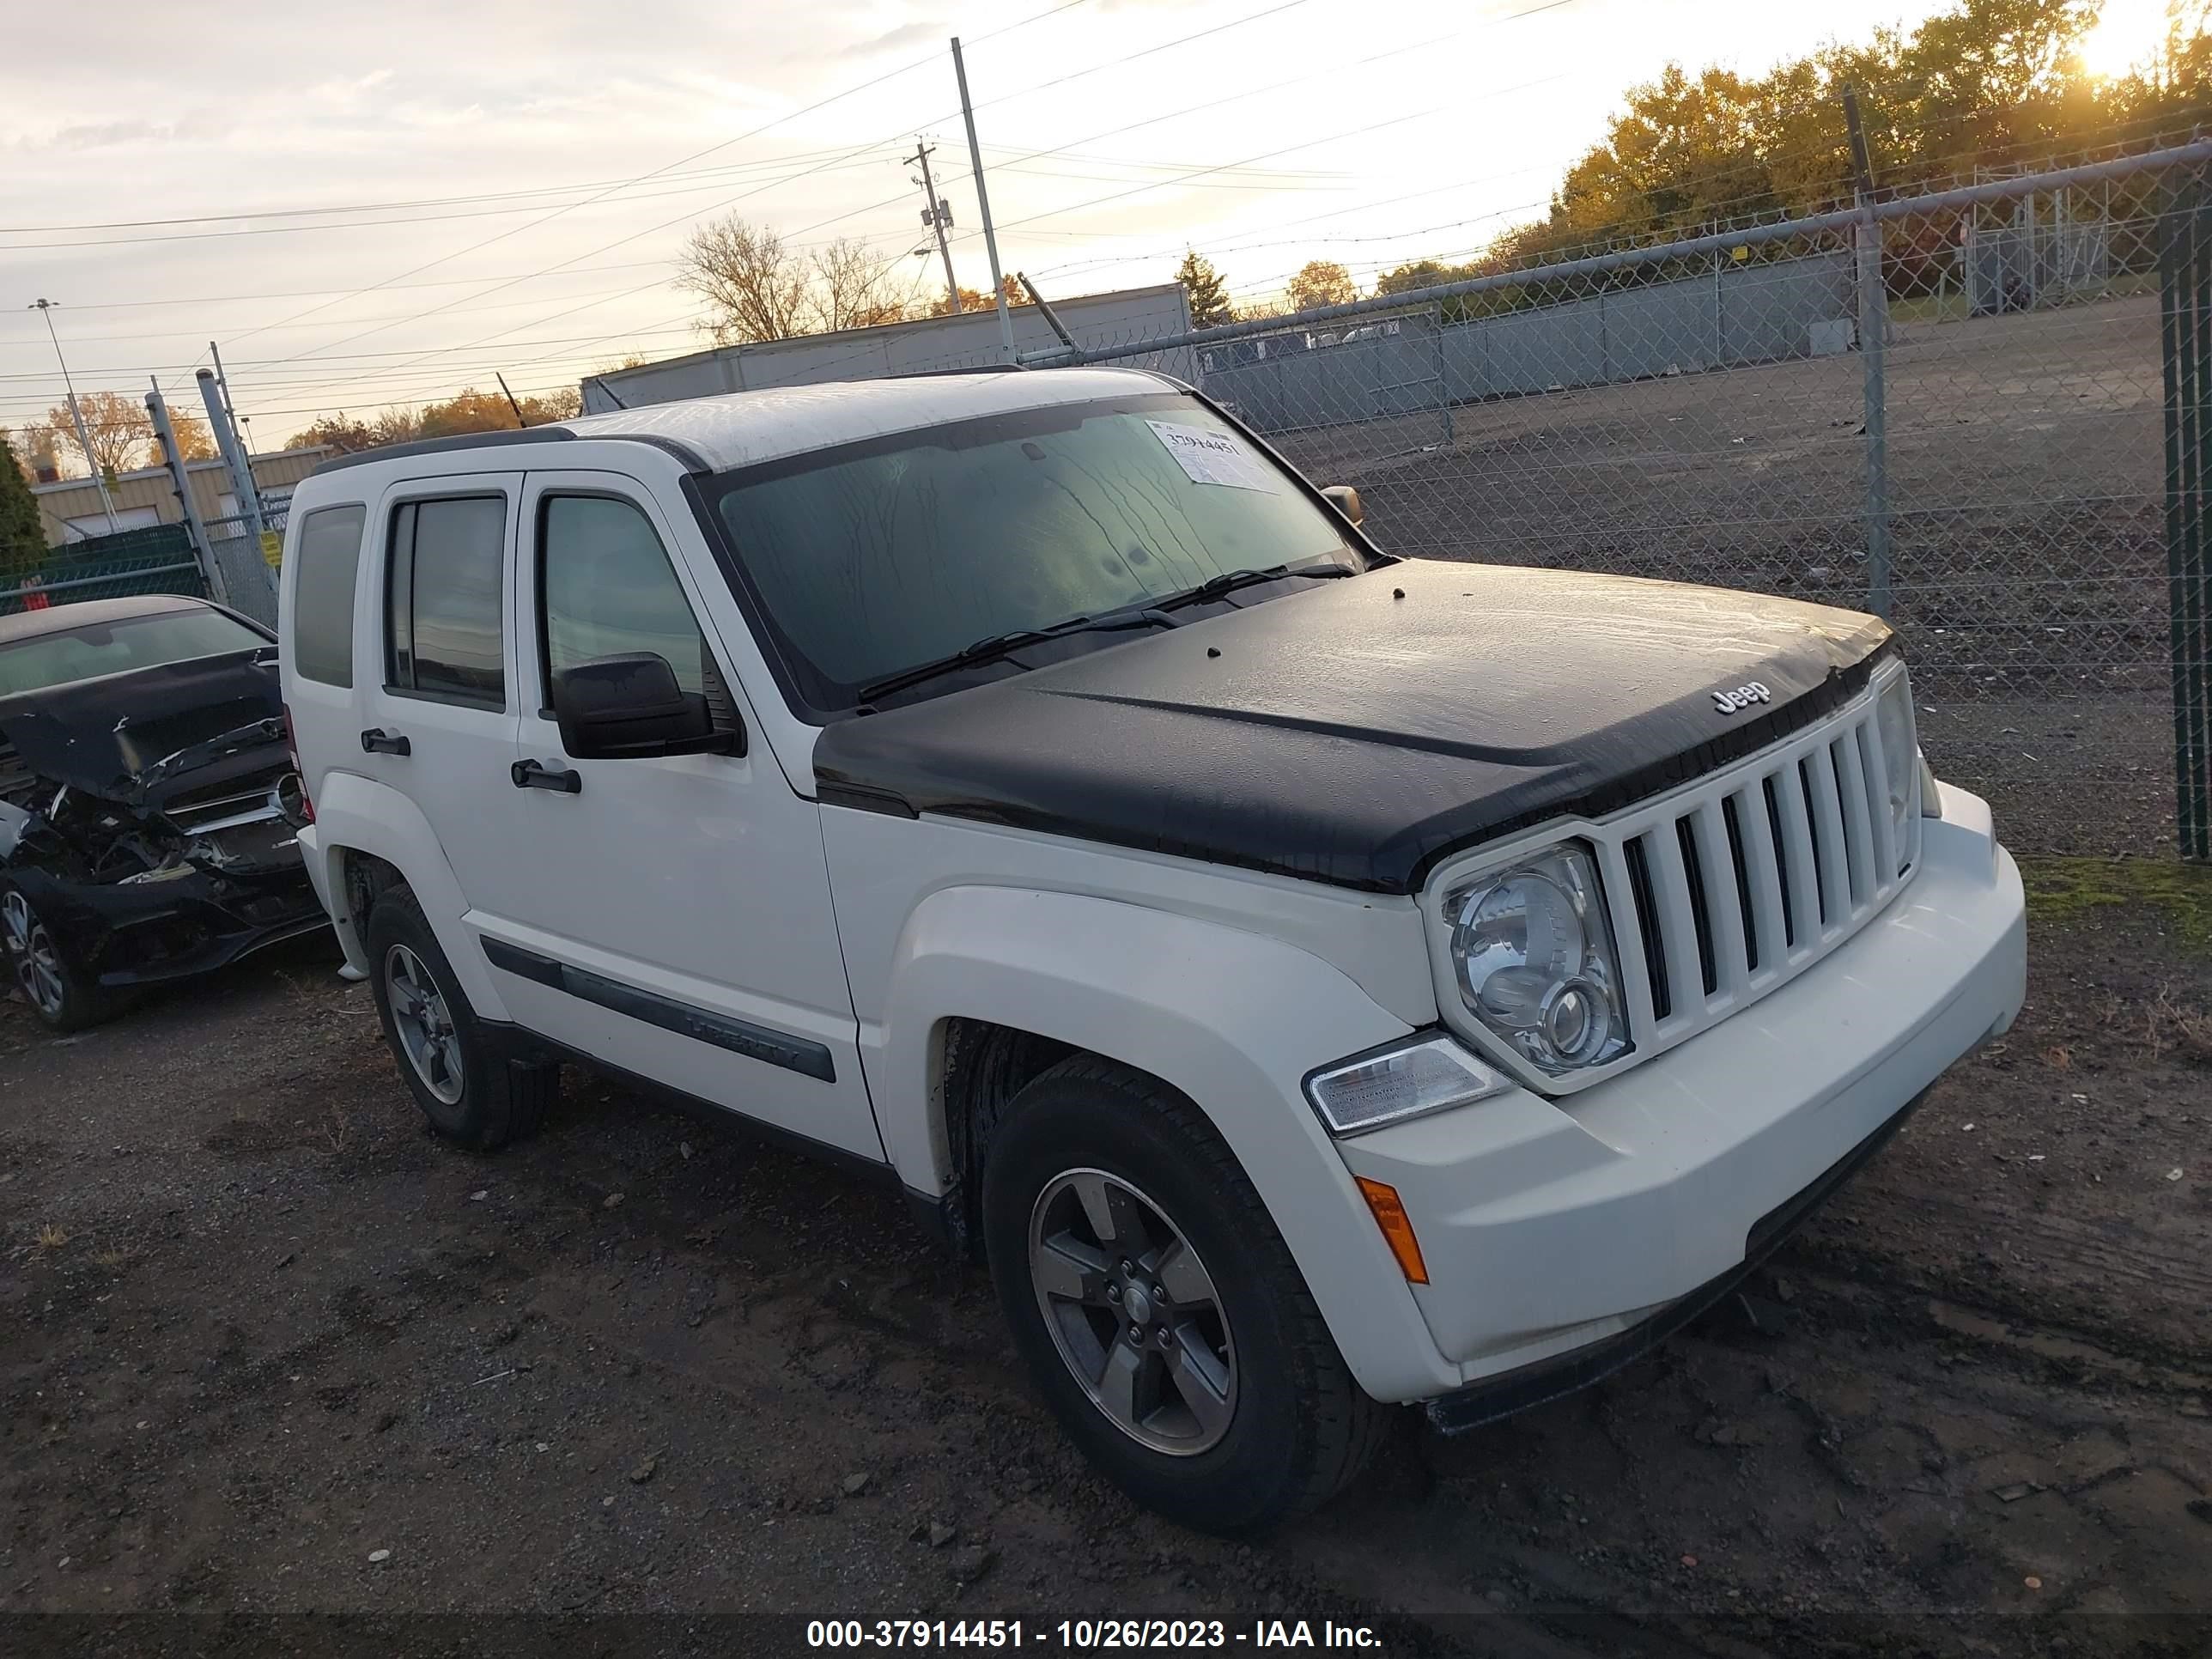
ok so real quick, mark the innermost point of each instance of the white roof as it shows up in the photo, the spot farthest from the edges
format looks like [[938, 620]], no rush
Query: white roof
[[743, 428]]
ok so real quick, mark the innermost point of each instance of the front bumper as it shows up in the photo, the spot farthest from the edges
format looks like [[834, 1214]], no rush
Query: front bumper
[[1582, 1226], [1532, 1384], [146, 932]]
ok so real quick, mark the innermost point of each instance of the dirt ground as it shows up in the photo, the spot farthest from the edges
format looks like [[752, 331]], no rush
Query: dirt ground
[[2027, 467], [281, 1373]]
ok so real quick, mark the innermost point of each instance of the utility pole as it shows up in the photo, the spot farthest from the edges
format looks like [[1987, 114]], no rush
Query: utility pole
[[938, 216], [983, 205], [46, 309]]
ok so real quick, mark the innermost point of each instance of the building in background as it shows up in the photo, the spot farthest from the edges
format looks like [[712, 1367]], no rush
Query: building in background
[[930, 343], [70, 510]]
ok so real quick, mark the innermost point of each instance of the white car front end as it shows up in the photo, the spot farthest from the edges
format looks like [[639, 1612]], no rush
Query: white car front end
[[1779, 1009]]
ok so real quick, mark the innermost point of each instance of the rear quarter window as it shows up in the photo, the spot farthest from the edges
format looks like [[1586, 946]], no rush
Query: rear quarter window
[[326, 560]]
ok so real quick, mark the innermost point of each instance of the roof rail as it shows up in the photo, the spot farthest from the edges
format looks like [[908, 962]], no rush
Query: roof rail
[[974, 368], [535, 434]]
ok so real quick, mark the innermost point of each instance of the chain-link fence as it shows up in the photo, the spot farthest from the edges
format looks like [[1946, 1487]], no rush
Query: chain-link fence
[[1951, 409], [248, 560], [157, 559]]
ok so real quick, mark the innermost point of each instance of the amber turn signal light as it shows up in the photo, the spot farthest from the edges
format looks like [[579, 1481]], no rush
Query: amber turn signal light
[[1397, 1231]]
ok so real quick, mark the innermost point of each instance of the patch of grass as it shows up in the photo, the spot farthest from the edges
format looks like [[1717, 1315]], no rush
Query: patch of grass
[[2060, 890], [51, 1238]]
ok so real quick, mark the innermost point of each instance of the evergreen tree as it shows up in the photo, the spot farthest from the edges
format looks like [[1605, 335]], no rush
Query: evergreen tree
[[1208, 295], [22, 538]]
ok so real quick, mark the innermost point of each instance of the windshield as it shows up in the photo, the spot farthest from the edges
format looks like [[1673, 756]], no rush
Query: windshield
[[878, 557], [116, 648]]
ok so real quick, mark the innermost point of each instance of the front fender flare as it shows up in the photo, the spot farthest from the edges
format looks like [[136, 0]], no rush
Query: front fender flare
[[1233, 1019]]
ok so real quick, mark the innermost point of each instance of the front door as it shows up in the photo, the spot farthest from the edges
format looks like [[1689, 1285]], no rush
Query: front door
[[680, 924]]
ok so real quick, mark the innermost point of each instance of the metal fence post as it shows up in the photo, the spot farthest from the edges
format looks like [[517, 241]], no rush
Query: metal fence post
[[1443, 382], [1874, 349], [2186, 308], [1874, 340], [233, 454], [174, 458]]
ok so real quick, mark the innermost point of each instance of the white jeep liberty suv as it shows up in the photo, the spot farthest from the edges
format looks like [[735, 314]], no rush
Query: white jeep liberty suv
[[1310, 979]]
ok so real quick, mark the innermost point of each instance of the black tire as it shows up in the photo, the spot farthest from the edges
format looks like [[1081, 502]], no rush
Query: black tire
[[61, 995], [501, 1097], [1299, 1428]]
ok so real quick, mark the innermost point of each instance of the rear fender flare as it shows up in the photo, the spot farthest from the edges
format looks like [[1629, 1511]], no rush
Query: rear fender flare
[[360, 815]]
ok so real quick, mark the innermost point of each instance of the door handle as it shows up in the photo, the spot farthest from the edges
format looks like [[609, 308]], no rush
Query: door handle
[[377, 741], [535, 775]]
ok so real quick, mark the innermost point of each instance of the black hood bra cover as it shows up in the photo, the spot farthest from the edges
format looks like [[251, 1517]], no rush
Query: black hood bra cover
[[1356, 732]]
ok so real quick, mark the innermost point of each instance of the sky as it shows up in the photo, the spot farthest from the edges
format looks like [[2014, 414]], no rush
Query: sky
[[368, 206]]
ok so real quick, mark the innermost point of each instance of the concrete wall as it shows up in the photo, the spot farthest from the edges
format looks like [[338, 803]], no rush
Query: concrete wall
[[1733, 315], [148, 488], [968, 341]]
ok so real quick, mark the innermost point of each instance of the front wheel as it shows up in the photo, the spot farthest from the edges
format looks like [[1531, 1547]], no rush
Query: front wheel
[[1158, 1309], [63, 998]]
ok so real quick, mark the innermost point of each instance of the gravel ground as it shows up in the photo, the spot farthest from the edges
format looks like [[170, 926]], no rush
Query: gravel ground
[[281, 1372], [2026, 470]]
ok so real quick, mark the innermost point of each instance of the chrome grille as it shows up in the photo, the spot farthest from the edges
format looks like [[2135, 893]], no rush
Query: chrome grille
[[1727, 888]]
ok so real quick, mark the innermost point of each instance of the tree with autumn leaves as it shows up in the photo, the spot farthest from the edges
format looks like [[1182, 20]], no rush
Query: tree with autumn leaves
[[1987, 84], [120, 433]]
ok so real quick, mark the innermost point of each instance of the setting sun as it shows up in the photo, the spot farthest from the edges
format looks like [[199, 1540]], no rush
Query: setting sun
[[2127, 34]]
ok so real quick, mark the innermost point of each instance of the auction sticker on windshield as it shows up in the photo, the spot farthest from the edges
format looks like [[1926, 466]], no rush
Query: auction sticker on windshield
[[1210, 457]]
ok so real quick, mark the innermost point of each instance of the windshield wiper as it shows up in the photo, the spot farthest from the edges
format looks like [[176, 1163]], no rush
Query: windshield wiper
[[998, 646], [1230, 580]]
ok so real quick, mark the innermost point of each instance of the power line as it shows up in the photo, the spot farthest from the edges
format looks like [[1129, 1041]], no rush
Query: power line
[[1053, 11], [242, 215], [710, 149], [1057, 80]]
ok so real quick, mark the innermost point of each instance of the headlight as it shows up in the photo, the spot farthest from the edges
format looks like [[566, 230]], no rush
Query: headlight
[[1423, 1076], [1532, 954], [1901, 763]]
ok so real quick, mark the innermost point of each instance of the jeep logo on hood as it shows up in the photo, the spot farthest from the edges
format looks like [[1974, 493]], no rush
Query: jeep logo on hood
[[1742, 697]]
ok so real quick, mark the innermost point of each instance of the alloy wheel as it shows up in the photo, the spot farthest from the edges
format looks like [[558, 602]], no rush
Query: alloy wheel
[[1134, 1312], [423, 1024], [31, 951]]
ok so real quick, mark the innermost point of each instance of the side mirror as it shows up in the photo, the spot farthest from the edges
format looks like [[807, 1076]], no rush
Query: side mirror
[[1346, 500], [629, 707]]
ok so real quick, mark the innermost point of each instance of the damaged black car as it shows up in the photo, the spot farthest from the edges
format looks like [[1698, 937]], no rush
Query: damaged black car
[[146, 791]]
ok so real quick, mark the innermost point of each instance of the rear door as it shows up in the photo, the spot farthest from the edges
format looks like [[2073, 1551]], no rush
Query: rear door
[[679, 923], [438, 713], [321, 578]]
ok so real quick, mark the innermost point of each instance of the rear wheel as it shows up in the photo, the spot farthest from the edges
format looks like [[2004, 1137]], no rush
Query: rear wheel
[[459, 1072], [63, 999], [1158, 1309]]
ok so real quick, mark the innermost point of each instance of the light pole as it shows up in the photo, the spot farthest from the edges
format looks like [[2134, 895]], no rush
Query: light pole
[[46, 309]]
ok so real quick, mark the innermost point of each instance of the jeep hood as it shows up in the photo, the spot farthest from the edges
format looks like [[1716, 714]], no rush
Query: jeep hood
[[132, 738], [1355, 732]]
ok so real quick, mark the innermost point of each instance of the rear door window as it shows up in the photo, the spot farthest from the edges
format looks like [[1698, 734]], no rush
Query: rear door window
[[447, 640], [325, 560]]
